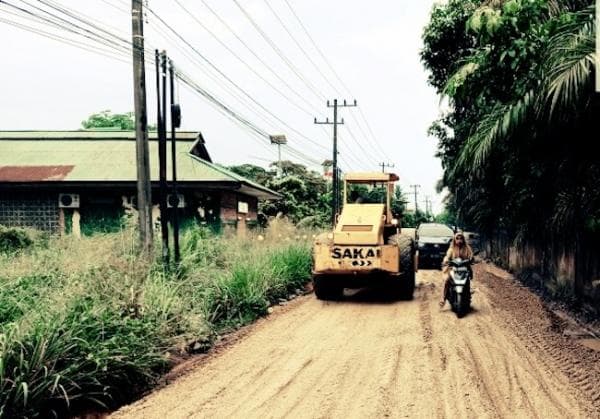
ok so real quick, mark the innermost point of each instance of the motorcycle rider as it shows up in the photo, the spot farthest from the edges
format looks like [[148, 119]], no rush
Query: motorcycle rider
[[459, 248]]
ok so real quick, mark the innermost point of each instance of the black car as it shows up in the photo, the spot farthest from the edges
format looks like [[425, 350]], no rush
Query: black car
[[433, 241]]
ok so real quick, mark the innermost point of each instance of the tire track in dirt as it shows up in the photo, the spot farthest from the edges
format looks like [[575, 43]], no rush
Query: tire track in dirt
[[365, 357], [542, 333]]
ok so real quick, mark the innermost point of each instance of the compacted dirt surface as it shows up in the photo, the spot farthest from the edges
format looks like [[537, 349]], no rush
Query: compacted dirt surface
[[365, 357]]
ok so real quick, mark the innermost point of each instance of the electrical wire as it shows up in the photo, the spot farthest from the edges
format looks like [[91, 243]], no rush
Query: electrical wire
[[59, 22], [224, 45], [232, 114], [299, 45], [66, 41], [238, 87], [337, 76], [280, 53], [239, 58]]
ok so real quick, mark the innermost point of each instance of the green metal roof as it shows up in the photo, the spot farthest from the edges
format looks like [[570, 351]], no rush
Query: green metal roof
[[100, 134], [104, 156]]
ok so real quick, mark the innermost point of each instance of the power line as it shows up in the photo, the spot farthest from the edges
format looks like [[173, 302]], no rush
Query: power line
[[222, 74], [200, 64], [126, 43], [224, 45], [299, 45], [120, 49], [334, 72], [66, 41], [232, 114], [58, 22], [316, 46], [279, 52]]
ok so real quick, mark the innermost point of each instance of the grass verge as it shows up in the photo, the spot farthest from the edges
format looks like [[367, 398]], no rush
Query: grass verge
[[84, 324]]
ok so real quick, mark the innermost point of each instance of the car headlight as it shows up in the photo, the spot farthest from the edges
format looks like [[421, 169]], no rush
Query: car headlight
[[421, 245]]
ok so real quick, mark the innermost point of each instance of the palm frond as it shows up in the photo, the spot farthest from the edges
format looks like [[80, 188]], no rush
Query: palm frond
[[570, 62], [497, 125]]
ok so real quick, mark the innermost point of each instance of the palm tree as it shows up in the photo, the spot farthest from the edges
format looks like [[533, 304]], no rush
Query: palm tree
[[565, 85]]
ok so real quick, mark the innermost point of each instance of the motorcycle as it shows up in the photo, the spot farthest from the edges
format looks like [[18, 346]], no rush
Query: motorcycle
[[458, 292]]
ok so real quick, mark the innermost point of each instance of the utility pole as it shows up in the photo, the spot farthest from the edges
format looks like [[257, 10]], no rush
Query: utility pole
[[427, 206], [384, 165], [597, 47], [144, 191], [416, 192], [175, 123], [335, 196], [161, 101]]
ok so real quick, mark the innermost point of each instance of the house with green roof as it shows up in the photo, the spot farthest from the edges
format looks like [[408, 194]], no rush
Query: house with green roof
[[50, 179]]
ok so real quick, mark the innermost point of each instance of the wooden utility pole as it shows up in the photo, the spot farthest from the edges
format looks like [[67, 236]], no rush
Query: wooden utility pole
[[335, 205], [161, 101], [175, 123], [144, 192]]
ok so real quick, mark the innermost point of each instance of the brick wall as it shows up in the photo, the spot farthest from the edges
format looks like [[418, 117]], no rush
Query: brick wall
[[229, 206], [33, 210]]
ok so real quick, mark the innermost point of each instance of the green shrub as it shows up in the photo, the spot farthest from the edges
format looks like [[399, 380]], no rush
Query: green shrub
[[85, 323], [22, 295], [237, 296], [13, 239], [290, 269], [88, 356]]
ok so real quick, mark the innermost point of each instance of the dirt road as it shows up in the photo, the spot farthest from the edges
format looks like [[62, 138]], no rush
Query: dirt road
[[367, 358]]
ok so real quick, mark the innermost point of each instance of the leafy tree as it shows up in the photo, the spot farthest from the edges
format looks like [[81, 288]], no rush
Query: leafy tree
[[256, 173], [519, 78], [305, 192], [118, 121], [412, 220]]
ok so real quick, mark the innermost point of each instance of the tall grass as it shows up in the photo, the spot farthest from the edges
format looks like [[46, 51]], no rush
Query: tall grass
[[83, 323]]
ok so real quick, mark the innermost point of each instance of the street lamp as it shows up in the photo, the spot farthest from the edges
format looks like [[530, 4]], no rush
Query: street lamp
[[279, 140]]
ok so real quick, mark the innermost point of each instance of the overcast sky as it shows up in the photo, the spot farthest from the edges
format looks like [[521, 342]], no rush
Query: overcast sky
[[373, 46]]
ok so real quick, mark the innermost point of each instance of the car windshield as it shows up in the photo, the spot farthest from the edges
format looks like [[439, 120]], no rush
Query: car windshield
[[435, 230]]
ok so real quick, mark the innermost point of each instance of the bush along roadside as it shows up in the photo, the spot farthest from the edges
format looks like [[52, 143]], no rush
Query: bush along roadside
[[15, 239], [84, 326]]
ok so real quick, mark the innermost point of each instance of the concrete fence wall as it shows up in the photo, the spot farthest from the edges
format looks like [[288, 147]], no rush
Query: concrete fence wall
[[563, 268]]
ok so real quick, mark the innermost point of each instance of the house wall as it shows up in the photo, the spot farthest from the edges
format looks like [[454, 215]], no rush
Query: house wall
[[229, 208], [35, 210], [102, 211]]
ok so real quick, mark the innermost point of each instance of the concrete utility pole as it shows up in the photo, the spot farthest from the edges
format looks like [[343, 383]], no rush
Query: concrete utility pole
[[384, 165], [335, 195], [144, 191], [416, 187]]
